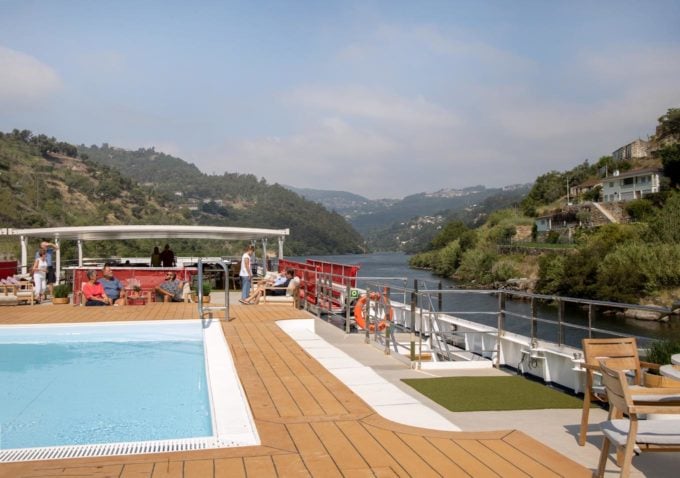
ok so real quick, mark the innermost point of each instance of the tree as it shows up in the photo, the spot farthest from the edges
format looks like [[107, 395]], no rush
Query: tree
[[670, 158], [669, 124]]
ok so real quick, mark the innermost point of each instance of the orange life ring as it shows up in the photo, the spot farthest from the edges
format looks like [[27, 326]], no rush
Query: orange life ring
[[359, 311]]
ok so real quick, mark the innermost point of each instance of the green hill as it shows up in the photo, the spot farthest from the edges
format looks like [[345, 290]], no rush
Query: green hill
[[49, 183]]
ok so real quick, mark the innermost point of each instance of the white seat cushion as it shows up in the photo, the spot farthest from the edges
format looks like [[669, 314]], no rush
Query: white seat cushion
[[652, 432]]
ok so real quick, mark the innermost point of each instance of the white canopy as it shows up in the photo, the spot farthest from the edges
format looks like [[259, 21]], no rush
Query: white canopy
[[118, 232]]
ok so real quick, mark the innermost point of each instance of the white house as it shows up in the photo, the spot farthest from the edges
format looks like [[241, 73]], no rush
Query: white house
[[630, 185]]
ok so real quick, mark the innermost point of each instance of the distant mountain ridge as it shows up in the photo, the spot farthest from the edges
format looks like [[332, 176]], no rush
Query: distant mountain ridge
[[404, 224]]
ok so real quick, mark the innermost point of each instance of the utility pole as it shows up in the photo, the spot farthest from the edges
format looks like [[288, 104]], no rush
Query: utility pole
[[567, 191]]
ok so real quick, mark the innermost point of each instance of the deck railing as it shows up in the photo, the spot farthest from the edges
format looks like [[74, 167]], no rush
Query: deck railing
[[549, 318]]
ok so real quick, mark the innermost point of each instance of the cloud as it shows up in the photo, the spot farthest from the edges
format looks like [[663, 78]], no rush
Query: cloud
[[103, 62], [373, 104], [24, 80]]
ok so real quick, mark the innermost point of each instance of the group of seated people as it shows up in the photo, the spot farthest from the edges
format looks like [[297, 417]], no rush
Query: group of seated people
[[273, 285], [108, 290]]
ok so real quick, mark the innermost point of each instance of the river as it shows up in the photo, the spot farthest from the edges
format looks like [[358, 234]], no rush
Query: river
[[395, 264]]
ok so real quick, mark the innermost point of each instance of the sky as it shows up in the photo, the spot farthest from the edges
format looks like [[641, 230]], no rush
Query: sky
[[378, 98]]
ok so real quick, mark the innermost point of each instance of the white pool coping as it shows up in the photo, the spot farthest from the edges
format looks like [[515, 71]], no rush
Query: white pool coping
[[384, 397], [232, 419]]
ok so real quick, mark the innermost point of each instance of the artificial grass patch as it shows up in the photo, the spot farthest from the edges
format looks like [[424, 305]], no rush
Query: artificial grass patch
[[474, 394]]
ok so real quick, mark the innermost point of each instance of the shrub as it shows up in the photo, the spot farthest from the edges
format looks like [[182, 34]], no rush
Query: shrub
[[503, 270], [551, 273], [660, 351], [61, 291], [476, 266], [447, 259]]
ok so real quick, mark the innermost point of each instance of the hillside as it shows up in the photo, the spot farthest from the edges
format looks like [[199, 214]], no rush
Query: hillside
[[42, 186], [347, 204]]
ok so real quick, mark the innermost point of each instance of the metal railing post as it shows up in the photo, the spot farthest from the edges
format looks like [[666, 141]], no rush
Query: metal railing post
[[367, 319], [560, 322], [348, 304], [414, 298], [501, 327], [534, 322], [440, 298], [591, 316], [388, 322]]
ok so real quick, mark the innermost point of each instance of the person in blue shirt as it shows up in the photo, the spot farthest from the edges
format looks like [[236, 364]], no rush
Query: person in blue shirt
[[113, 288]]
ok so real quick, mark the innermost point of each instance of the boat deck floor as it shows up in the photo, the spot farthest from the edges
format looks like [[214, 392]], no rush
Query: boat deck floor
[[309, 422]]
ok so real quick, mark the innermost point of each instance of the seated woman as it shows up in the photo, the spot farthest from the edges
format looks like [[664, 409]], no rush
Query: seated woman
[[264, 287], [171, 289], [94, 291]]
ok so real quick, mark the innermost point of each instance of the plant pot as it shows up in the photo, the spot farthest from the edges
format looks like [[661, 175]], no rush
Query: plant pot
[[60, 300], [206, 298]]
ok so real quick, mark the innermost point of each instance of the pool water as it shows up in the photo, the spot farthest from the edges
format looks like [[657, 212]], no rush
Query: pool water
[[73, 385]]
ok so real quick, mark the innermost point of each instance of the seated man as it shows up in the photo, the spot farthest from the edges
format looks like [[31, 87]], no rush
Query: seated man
[[112, 287], [94, 291], [171, 290], [264, 287]]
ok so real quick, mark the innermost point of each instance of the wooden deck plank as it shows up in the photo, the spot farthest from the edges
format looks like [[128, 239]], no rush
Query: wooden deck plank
[[137, 470], [557, 462], [168, 469], [290, 465], [497, 463], [313, 454], [339, 447], [371, 449], [257, 466], [230, 468], [433, 456], [310, 423], [199, 468], [402, 453], [520, 459], [468, 462]]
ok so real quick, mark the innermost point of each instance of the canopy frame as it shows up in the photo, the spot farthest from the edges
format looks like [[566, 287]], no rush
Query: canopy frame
[[80, 234]]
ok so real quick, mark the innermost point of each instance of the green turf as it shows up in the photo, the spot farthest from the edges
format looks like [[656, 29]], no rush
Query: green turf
[[474, 394]]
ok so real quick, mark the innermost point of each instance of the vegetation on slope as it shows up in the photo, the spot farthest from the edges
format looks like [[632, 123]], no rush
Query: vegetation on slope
[[618, 262], [43, 184]]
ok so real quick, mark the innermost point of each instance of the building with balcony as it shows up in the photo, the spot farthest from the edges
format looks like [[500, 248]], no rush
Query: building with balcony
[[631, 185]]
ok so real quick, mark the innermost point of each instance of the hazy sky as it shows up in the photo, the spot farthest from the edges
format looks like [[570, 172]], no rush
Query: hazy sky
[[383, 99]]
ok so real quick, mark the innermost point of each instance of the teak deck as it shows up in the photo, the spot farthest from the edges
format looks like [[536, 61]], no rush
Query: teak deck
[[310, 423]]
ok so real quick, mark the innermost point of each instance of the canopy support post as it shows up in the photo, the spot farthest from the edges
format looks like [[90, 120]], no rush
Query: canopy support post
[[24, 255], [57, 259]]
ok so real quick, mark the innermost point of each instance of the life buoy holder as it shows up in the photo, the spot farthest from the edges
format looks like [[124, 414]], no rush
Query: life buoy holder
[[359, 311]]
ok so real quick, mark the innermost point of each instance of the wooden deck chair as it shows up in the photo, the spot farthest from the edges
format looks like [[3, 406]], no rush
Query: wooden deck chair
[[594, 350], [631, 434]]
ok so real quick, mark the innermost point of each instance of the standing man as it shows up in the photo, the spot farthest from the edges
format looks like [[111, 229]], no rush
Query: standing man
[[112, 287], [49, 257], [246, 272], [167, 257]]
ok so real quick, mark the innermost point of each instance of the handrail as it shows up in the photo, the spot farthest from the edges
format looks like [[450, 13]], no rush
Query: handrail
[[199, 286], [431, 303]]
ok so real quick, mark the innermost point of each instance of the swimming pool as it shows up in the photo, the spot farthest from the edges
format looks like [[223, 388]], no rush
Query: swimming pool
[[73, 390]]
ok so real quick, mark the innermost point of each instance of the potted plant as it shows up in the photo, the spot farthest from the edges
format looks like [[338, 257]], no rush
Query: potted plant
[[660, 353], [60, 293], [206, 293]]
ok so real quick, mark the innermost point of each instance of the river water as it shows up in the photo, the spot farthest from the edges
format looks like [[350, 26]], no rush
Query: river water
[[485, 306]]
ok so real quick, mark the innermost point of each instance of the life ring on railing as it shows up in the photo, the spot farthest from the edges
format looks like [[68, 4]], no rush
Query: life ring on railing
[[359, 311]]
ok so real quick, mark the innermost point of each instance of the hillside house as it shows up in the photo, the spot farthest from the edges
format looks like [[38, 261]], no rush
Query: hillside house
[[579, 190], [638, 149], [631, 185]]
